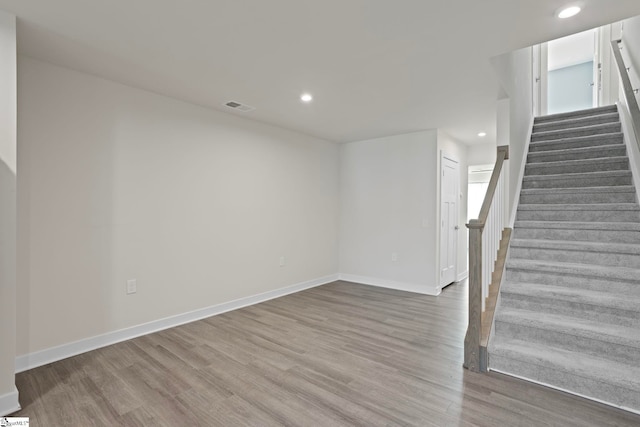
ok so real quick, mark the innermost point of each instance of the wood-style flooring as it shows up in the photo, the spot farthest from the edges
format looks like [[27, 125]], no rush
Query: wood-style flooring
[[337, 355]]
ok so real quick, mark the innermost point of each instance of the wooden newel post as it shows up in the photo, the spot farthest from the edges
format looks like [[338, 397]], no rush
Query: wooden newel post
[[472, 338]]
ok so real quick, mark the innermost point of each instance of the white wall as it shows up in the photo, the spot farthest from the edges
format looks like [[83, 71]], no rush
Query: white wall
[[631, 50], [456, 150], [514, 72], [8, 165], [481, 154], [387, 195], [197, 205]]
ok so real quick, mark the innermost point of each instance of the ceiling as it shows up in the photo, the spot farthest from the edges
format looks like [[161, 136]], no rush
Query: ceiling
[[375, 67]]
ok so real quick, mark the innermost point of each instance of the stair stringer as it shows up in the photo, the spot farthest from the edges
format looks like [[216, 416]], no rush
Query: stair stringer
[[631, 141]]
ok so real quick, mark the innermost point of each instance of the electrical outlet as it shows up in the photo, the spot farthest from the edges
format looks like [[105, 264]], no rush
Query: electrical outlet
[[394, 256], [132, 286], [282, 261]]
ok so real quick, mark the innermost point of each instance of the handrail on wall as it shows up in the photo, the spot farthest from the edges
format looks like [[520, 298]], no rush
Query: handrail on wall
[[629, 92], [476, 260]]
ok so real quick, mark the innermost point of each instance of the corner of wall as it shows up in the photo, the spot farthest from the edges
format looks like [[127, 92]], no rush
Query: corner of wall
[[8, 211], [392, 284], [54, 354], [9, 402]]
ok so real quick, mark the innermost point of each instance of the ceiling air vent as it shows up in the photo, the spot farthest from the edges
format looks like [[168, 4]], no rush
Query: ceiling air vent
[[239, 107]]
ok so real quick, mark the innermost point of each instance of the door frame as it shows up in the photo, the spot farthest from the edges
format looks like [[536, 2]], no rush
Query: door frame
[[444, 156], [540, 79]]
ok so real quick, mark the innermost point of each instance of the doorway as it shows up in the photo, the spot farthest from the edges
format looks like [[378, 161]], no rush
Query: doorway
[[572, 72], [575, 72], [449, 188], [479, 177]]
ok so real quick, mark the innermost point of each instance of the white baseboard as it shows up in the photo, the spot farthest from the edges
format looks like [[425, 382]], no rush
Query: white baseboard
[[462, 276], [9, 403], [392, 284], [43, 357]]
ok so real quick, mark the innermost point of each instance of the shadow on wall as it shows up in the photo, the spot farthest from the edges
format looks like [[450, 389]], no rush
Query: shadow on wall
[[7, 273]]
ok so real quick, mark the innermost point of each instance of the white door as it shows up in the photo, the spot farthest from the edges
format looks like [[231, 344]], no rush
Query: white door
[[449, 177]]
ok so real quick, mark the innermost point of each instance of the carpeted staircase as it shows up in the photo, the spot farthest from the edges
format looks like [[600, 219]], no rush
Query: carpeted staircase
[[569, 314]]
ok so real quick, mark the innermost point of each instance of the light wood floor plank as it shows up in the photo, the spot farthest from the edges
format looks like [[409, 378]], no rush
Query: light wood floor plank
[[342, 354]]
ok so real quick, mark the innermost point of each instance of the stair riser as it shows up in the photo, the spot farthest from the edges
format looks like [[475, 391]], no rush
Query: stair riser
[[617, 287], [577, 182], [577, 171], [579, 154], [579, 216], [570, 144], [576, 133], [575, 155], [614, 316], [576, 114], [588, 345], [564, 380], [577, 198], [577, 122], [577, 257], [598, 165], [578, 235]]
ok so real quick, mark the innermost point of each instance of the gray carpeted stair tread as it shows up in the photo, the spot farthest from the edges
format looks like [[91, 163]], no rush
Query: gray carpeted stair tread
[[599, 129], [574, 122], [546, 277], [574, 225], [583, 270], [565, 167], [613, 150], [582, 207], [578, 121], [580, 190], [578, 113], [575, 234], [579, 195], [572, 327], [569, 309], [590, 376], [560, 294], [601, 247], [578, 180], [581, 175], [599, 212], [614, 138], [617, 257]]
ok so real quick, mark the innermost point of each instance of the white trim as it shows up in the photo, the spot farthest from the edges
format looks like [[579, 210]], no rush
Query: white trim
[[392, 284], [633, 150], [463, 276], [584, 396], [53, 354], [9, 403], [516, 199], [453, 159]]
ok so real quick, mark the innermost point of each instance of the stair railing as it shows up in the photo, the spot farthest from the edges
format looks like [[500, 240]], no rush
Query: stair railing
[[484, 241], [628, 90]]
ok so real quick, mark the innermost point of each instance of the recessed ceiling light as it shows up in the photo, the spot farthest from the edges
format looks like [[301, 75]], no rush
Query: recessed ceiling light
[[306, 97], [568, 12], [482, 134]]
